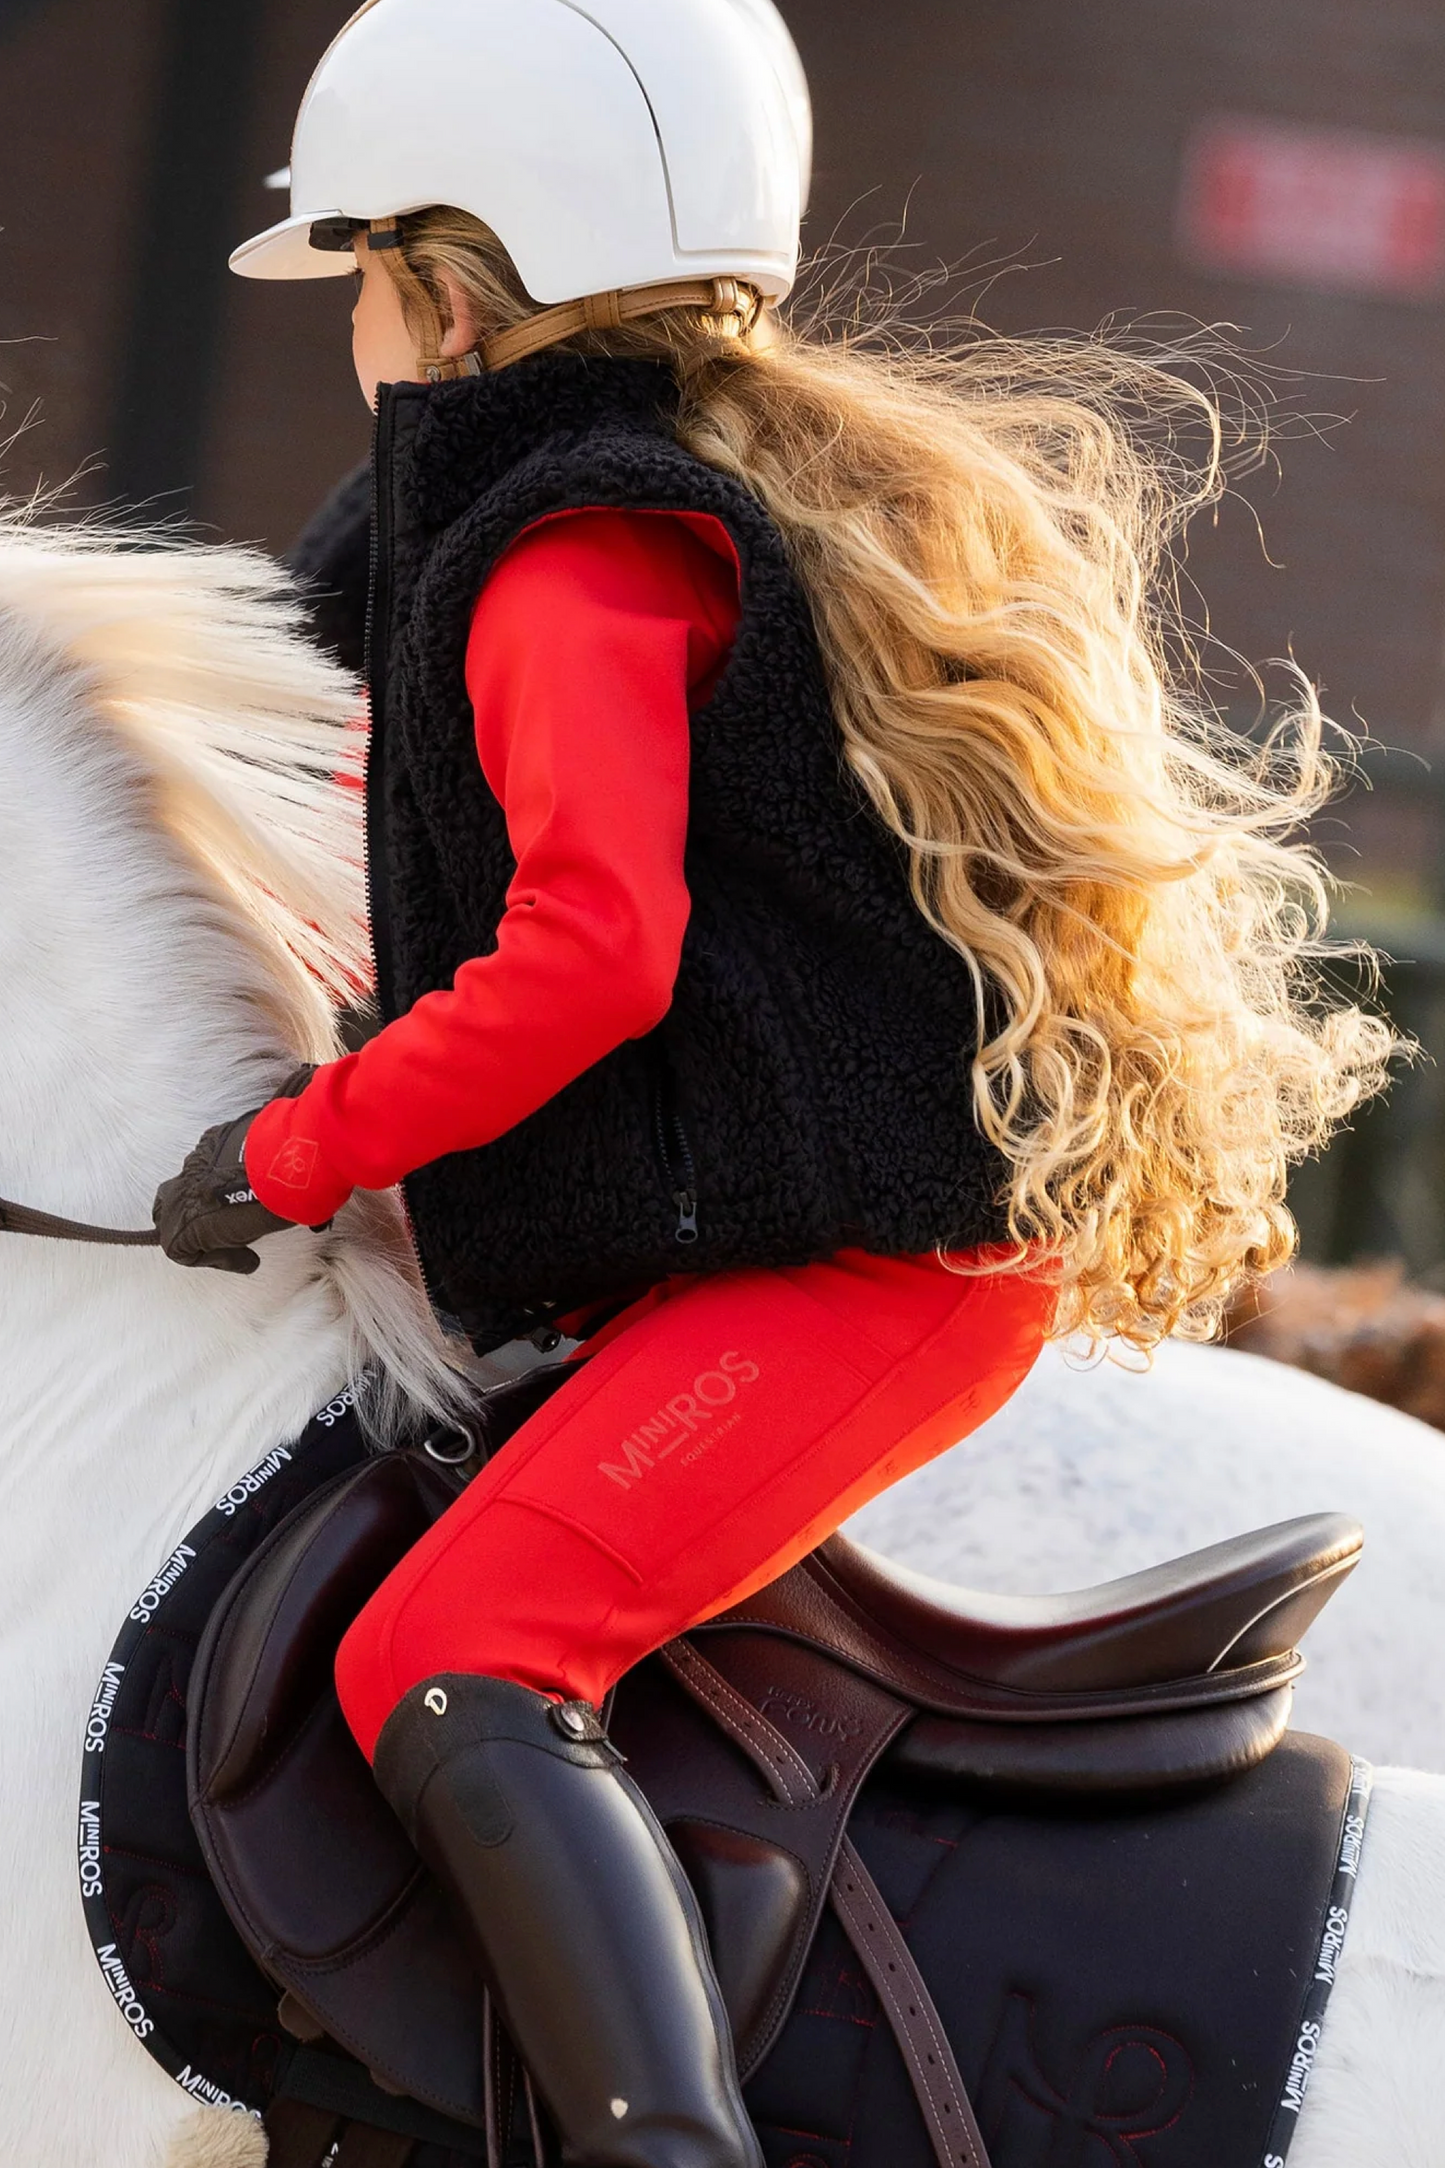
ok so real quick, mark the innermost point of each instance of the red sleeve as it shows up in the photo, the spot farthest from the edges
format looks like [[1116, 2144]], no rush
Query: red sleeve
[[591, 640]]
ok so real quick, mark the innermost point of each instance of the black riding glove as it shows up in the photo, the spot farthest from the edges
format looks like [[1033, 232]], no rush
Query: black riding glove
[[208, 1214]]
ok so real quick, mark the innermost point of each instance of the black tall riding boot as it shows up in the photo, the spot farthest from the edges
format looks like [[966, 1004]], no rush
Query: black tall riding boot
[[588, 1930]]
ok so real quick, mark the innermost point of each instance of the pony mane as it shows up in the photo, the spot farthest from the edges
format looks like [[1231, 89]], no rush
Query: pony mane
[[251, 738], [250, 743]]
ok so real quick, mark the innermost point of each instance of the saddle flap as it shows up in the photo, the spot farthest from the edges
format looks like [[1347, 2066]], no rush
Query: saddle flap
[[317, 1874], [1218, 1621], [754, 1899], [702, 1742], [291, 1606]]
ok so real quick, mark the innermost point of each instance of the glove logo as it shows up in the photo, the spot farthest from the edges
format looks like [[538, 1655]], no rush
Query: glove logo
[[295, 1163]]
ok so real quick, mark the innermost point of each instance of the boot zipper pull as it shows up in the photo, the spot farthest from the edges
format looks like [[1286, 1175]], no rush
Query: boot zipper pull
[[686, 1204]]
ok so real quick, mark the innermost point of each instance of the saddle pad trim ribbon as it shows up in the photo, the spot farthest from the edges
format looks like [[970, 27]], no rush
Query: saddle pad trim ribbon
[[1322, 1980], [118, 1720]]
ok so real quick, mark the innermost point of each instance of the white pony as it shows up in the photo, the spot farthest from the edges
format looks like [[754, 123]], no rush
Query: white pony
[[180, 891]]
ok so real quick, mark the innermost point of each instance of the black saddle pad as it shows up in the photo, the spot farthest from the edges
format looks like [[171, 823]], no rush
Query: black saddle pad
[[1127, 1985], [1121, 1989]]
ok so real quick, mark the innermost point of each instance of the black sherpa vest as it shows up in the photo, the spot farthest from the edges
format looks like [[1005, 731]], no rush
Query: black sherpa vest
[[808, 1089]]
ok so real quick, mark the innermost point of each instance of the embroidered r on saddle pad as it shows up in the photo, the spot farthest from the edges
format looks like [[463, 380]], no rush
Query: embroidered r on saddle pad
[[1143, 1988]]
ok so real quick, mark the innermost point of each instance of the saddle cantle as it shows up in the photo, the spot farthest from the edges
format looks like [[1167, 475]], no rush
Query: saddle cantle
[[1226, 1609], [751, 1737]]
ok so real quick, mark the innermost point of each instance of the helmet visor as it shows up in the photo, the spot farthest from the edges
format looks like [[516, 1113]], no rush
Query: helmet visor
[[309, 245]]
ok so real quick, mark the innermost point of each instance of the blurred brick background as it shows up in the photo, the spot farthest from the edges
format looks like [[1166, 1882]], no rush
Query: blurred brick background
[[134, 144], [1037, 131]]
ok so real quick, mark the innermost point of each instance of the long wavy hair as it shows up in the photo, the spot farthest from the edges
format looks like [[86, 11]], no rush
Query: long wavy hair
[[985, 529]]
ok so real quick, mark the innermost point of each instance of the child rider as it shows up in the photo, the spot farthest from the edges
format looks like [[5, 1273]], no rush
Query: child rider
[[819, 953]]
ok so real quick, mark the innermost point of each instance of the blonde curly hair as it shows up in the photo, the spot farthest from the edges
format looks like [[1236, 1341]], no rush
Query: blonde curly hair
[[985, 531]]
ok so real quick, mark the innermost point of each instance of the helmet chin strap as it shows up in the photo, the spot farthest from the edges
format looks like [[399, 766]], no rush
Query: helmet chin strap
[[735, 309], [433, 366]]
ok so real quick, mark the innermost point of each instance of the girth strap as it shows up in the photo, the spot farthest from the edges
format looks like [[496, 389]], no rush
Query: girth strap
[[364, 2146], [908, 2007], [305, 2137], [503, 2078], [300, 2135]]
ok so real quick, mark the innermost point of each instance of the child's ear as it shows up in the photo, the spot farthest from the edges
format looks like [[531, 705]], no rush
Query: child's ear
[[462, 333]]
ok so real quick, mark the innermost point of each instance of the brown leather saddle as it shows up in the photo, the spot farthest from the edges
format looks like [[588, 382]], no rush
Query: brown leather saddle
[[751, 1737]]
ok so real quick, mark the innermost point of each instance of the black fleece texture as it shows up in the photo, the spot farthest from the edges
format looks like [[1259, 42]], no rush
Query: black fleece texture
[[809, 1084], [331, 557]]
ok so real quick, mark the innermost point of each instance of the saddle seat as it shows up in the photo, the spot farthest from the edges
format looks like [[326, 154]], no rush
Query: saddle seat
[[1227, 1609]]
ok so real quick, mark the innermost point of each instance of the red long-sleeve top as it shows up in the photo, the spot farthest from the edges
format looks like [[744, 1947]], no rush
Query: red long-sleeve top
[[594, 637]]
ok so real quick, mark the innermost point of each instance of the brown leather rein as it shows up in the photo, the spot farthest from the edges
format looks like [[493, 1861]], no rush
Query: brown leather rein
[[23, 1219]]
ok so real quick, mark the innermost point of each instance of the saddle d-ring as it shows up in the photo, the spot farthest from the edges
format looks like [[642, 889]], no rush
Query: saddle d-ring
[[453, 1446]]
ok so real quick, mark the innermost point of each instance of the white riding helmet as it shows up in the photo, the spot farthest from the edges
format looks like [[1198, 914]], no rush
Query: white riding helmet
[[607, 143]]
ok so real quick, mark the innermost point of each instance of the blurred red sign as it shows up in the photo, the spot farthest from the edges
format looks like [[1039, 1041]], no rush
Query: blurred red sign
[[1316, 207]]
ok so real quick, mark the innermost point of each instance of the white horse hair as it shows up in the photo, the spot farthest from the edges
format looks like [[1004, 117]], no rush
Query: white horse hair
[[215, 2138], [181, 898], [171, 736]]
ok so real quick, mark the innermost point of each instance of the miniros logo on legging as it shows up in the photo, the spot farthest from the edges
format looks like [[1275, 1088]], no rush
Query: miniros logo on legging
[[672, 1426]]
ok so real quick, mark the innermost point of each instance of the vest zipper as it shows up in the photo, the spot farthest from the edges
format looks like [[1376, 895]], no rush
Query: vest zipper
[[674, 1155], [378, 627], [378, 611]]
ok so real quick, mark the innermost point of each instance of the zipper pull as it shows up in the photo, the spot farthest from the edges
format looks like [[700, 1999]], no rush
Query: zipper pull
[[686, 1204]]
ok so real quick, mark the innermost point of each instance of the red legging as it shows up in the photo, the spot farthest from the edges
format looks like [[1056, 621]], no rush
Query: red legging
[[720, 1431]]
